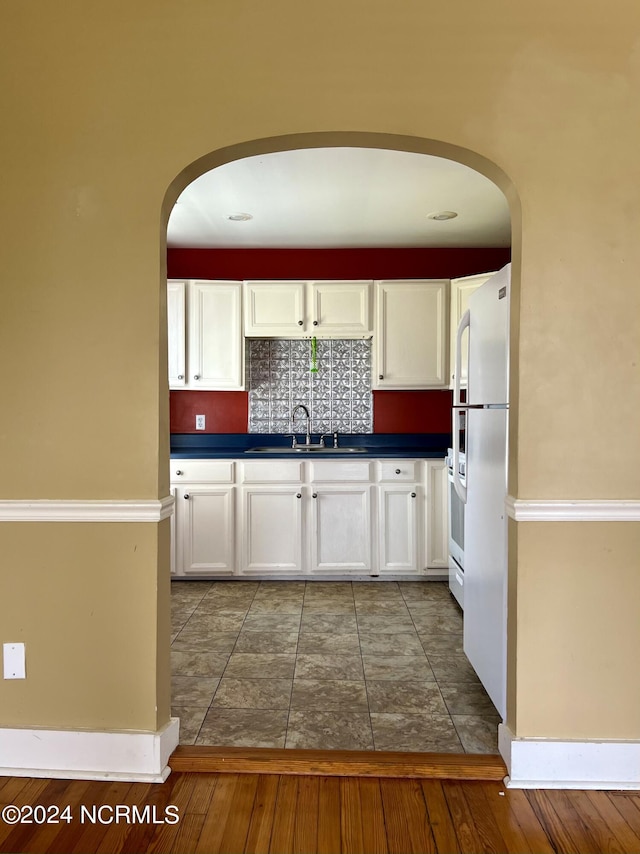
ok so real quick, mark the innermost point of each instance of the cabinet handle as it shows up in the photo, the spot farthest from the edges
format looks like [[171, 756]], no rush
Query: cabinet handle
[[299, 323], [178, 472], [315, 322], [398, 471], [413, 495], [180, 376], [186, 496], [196, 376], [380, 376], [299, 495], [315, 495]]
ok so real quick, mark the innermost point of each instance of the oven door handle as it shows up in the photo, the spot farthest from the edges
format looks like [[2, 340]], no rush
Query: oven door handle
[[459, 487]]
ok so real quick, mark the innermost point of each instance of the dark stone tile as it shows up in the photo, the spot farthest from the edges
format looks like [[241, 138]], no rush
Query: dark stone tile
[[452, 668], [416, 591], [344, 624], [397, 668], [438, 623], [244, 728], [211, 664], [329, 605], [412, 698], [250, 665], [271, 622], [190, 722], [331, 666], [466, 698], [308, 730], [217, 621], [262, 642], [407, 643], [421, 733], [478, 733], [312, 643], [276, 606], [372, 607], [193, 691], [446, 643], [386, 625], [329, 695], [197, 640], [253, 693]]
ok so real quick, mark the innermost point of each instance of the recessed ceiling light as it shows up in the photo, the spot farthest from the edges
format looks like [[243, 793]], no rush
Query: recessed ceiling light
[[441, 216], [240, 217]]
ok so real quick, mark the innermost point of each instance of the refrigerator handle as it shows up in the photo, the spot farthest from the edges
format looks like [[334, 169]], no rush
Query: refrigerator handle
[[460, 489], [464, 324]]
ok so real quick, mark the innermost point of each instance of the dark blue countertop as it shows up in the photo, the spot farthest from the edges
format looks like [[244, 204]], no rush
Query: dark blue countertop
[[235, 445]]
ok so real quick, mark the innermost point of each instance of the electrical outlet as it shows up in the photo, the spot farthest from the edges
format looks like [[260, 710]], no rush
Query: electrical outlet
[[199, 422], [13, 660]]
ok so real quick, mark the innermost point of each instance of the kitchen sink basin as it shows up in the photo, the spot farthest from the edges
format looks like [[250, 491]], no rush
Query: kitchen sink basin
[[299, 450]]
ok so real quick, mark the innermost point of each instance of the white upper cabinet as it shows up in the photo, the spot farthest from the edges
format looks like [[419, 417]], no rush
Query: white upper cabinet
[[208, 316], [216, 349], [301, 309], [274, 309], [176, 320], [339, 308], [411, 334], [461, 290]]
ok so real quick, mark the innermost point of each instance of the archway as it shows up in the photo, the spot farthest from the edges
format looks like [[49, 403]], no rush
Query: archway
[[380, 141]]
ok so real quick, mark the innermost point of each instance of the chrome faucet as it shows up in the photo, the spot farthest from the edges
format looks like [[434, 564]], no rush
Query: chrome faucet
[[304, 409]]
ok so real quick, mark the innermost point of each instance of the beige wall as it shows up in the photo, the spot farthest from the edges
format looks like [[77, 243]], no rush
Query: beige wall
[[105, 105]]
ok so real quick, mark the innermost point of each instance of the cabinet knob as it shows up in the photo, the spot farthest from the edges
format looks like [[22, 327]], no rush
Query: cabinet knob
[[179, 472], [299, 323], [380, 376], [180, 376], [315, 495], [186, 496], [299, 495], [413, 495], [315, 322], [398, 471], [196, 376]]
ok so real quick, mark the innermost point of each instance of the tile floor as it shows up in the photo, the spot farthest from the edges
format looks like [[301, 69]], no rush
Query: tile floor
[[331, 665]]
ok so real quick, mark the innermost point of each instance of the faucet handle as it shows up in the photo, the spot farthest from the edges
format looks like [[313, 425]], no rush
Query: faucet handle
[[322, 437], [335, 440]]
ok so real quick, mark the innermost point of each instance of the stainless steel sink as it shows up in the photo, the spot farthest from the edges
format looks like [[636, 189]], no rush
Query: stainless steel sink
[[299, 450]]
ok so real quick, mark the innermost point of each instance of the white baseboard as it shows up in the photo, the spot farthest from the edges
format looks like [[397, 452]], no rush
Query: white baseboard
[[137, 757], [538, 763]]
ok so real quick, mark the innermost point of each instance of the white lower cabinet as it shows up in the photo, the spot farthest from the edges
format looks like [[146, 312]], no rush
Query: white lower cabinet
[[437, 507], [399, 529], [272, 530], [324, 518], [206, 518], [341, 539]]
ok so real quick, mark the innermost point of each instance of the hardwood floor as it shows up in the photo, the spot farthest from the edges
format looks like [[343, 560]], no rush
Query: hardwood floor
[[232, 813]]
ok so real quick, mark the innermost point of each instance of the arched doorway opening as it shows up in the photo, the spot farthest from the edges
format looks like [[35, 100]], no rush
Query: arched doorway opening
[[371, 141]]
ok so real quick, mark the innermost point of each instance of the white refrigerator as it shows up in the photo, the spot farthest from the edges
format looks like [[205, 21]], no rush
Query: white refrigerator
[[485, 419]]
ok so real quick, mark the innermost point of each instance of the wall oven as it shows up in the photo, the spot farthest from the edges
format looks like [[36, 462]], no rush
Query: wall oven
[[456, 531]]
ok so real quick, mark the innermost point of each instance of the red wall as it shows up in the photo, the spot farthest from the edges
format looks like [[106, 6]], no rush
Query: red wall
[[393, 411]]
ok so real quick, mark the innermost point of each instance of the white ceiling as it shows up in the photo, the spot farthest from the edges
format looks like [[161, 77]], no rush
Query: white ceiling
[[340, 197]]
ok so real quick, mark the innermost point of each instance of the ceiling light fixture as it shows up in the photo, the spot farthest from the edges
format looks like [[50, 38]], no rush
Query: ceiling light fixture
[[441, 216], [240, 217]]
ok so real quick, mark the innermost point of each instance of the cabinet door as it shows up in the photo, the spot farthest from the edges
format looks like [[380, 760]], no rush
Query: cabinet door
[[461, 290], [341, 530], [216, 348], [411, 334], [207, 529], [174, 563], [272, 528], [399, 513], [340, 308], [274, 309], [437, 515], [176, 325]]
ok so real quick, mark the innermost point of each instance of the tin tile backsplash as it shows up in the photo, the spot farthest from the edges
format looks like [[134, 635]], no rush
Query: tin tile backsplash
[[338, 396]]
